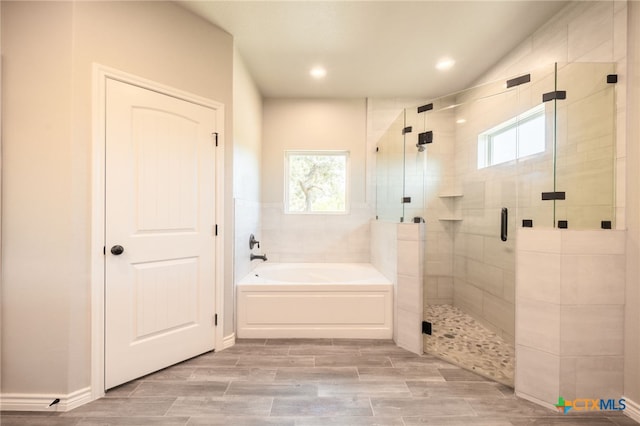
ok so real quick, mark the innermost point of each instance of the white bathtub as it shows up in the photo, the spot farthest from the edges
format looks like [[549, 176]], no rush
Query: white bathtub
[[321, 300]]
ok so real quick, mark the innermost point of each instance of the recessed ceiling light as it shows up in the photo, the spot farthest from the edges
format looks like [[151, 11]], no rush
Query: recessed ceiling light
[[318, 72], [461, 121], [445, 64]]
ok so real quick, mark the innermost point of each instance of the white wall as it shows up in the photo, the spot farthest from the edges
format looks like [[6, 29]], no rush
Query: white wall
[[48, 51], [247, 146], [36, 247], [247, 133], [314, 124]]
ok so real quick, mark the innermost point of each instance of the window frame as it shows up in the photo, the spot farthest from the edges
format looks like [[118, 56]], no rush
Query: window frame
[[485, 139], [316, 152]]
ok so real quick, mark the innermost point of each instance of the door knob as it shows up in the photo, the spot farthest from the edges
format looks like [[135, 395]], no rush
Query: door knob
[[117, 250]]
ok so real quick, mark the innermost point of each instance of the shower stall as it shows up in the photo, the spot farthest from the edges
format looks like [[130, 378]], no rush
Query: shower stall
[[479, 167]]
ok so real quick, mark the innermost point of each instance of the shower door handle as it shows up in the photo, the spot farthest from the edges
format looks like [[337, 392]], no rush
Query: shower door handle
[[504, 216]]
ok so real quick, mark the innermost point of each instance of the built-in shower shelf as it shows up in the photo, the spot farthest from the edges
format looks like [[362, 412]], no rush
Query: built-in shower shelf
[[453, 204]]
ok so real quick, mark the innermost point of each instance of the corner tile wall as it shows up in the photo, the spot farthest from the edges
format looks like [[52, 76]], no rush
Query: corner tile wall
[[397, 250], [409, 287], [570, 314]]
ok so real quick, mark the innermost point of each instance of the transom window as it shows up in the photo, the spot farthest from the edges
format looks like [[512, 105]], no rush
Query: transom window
[[316, 181], [518, 137]]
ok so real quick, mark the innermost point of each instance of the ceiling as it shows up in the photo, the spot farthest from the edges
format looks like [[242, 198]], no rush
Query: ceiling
[[372, 48]]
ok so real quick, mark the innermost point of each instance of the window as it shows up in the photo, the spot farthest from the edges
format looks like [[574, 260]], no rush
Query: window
[[316, 181], [519, 137]]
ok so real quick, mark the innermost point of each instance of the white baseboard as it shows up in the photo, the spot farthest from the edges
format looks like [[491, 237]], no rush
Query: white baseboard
[[632, 410], [41, 402], [228, 341]]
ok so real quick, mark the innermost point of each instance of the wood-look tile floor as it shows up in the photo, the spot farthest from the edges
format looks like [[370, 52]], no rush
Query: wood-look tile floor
[[312, 383]]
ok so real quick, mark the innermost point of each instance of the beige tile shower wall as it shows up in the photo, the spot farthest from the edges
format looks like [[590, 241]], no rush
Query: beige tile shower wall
[[570, 304]]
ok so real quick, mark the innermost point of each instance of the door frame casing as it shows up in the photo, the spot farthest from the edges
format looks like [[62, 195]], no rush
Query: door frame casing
[[101, 74]]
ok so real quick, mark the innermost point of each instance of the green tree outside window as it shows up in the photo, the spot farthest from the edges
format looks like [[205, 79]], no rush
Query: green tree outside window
[[316, 182]]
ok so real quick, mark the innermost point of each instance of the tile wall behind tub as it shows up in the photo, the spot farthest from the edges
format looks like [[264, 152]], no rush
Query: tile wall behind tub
[[316, 238], [247, 222]]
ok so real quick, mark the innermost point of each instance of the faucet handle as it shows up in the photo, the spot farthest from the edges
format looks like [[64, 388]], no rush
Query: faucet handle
[[253, 242]]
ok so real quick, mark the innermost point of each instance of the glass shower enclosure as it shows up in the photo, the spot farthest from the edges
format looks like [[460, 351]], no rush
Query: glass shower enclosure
[[536, 150]]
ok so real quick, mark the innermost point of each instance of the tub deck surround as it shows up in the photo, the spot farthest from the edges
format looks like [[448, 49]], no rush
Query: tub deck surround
[[315, 300]]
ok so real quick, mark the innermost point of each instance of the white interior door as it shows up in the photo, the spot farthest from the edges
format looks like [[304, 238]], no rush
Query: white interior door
[[160, 211]]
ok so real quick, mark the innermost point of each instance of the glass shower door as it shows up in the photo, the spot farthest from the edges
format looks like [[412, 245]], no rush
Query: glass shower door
[[484, 284]]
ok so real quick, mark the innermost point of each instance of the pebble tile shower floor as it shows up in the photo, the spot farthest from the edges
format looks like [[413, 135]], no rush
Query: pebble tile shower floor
[[460, 339], [312, 383]]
